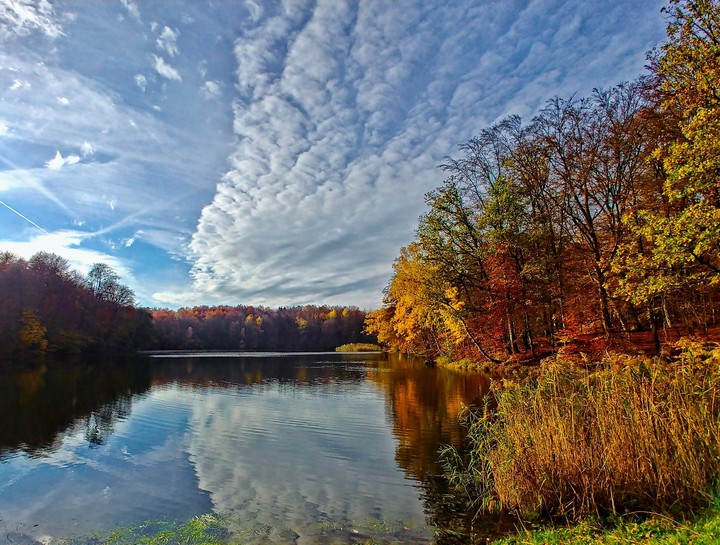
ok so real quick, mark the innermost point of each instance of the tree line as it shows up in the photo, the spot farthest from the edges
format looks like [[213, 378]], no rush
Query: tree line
[[47, 307], [598, 218], [302, 328]]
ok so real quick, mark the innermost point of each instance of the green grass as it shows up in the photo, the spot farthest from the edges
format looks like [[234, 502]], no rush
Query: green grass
[[358, 347], [463, 365], [655, 530]]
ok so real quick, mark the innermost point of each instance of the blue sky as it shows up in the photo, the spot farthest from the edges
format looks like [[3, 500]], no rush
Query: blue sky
[[263, 152]]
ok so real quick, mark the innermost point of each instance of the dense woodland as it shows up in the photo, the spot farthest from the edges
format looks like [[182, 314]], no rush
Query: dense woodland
[[309, 328], [596, 223], [46, 307]]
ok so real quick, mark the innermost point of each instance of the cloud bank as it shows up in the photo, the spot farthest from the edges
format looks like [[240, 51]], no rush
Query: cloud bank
[[272, 153], [343, 111]]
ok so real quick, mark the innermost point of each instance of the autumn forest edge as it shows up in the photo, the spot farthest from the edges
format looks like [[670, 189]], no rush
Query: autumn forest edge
[[593, 226]]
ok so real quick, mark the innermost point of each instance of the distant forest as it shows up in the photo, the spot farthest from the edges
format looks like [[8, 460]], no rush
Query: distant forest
[[303, 328], [48, 308]]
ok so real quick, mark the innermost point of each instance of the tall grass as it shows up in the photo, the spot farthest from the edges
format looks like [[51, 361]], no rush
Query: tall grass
[[636, 434]]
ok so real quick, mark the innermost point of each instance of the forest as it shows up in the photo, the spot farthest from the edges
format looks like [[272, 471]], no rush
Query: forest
[[586, 240], [303, 328], [594, 225], [45, 306], [48, 308]]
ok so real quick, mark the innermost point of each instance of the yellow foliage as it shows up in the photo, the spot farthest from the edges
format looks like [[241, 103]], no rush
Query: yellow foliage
[[32, 332]]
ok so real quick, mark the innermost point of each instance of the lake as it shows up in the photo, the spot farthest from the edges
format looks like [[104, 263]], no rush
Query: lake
[[286, 448]]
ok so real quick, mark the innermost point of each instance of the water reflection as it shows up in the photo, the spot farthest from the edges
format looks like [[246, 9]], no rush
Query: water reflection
[[425, 404], [258, 368], [38, 406], [308, 442]]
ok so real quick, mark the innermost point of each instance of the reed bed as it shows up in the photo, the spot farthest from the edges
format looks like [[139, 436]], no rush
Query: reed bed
[[635, 434]]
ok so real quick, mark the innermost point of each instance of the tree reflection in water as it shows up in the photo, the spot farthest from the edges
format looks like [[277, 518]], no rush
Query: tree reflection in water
[[425, 404], [39, 406]]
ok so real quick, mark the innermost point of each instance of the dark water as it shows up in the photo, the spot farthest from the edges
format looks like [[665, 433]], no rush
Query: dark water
[[297, 448]]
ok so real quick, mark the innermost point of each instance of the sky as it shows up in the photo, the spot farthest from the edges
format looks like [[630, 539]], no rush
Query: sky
[[270, 153]]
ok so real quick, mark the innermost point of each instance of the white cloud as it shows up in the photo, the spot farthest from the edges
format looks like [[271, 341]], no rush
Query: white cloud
[[87, 149], [63, 101], [255, 9], [226, 465], [3, 128], [340, 127], [18, 84], [141, 82], [211, 89], [22, 17], [165, 70], [131, 240], [57, 162], [167, 41], [131, 7]]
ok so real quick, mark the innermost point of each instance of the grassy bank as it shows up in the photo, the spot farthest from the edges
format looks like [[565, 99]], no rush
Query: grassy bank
[[634, 434], [657, 530]]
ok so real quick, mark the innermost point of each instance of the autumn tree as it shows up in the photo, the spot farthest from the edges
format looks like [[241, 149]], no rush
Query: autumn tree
[[45, 306], [32, 332], [595, 153], [244, 327], [680, 242], [409, 320]]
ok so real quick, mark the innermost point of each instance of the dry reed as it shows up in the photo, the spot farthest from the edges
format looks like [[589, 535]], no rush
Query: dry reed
[[638, 434]]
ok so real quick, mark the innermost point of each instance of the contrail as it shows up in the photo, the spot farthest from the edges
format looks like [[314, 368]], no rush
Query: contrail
[[23, 217]]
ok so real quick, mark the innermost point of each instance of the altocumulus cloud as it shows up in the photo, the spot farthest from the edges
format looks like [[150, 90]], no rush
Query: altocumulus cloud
[[343, 111], [164, 69], [279, 151], [21, 17]]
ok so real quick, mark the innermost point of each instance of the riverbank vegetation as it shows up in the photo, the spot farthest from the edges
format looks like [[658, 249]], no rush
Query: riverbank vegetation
[[358, 347], [592, 227], [48, 308], [658, 530], [636, 434]]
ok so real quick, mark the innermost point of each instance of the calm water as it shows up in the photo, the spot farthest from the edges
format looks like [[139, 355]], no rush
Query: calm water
[[292, 448]]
